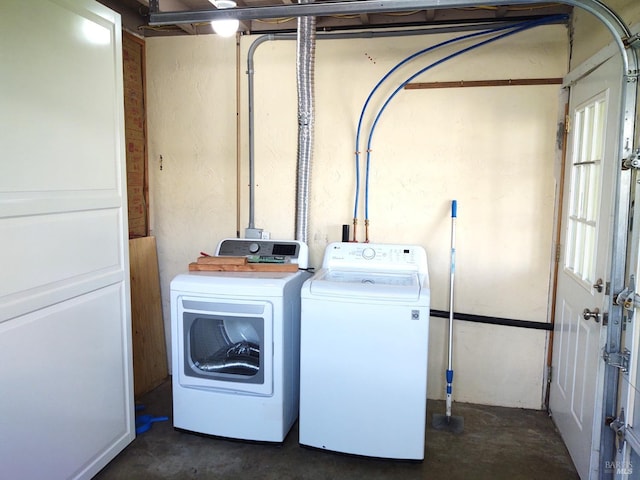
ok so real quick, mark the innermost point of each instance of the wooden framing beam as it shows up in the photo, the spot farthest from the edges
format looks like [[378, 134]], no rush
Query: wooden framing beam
[[484, 83]]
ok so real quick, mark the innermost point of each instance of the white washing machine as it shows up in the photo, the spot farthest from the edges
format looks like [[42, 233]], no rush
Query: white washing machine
[[235, 345], [364, 344]]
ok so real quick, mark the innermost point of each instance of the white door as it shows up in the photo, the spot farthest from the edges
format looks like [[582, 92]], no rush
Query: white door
[[66, 407], [579, 334]]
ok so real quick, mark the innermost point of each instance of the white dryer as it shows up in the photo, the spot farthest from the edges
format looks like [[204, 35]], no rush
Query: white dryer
[[364, 345], [235, 345]]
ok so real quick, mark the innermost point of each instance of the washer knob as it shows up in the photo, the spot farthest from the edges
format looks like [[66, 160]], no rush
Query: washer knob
[[254, 247], [368, 253]]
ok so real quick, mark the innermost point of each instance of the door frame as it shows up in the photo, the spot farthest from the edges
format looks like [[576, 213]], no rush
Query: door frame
[[618, 260]]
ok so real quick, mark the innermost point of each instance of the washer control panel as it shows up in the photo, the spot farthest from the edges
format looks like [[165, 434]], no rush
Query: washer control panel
[[265, 251], [375, 256], [368, 253]]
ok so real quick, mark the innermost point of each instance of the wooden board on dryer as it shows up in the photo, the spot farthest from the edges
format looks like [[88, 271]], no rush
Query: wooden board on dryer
[[249, 267], [210, 260]]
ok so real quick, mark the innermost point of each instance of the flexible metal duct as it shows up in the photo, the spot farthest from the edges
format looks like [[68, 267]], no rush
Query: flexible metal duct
[[305, 63]]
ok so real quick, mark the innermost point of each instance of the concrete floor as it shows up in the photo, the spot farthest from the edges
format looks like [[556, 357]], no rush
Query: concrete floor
[[497, 443]]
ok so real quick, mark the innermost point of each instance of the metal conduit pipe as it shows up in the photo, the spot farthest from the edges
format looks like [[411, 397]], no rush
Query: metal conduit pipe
[[252, 186], [324, 36]]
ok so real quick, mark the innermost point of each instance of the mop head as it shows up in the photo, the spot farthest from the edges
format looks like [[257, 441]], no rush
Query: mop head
[[449, 423]]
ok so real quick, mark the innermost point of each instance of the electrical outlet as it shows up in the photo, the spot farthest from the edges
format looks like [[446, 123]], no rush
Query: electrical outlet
[[253, 233]]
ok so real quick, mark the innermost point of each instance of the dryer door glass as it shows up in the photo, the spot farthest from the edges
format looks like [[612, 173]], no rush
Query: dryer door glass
[[228, 348]]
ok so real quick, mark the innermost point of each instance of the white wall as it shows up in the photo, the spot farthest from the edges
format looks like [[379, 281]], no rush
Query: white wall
[[191, 124], [490, 148]]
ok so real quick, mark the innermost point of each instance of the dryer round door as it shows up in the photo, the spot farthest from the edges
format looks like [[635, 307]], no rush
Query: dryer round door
[[226, 345]]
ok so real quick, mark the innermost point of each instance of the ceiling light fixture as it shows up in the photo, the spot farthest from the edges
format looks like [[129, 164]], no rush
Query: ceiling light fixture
[[229, 26]]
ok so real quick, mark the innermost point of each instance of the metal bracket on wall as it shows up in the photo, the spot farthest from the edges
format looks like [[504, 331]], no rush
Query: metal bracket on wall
[[628, 298], [619, 360], [633, 161], [624, 432], [618, 426], [633, 41]]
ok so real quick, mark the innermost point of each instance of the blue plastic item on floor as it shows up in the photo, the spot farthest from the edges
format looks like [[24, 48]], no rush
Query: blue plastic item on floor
[[143, 422]]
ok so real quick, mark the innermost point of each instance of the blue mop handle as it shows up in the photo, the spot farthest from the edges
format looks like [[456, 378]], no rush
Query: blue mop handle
[[449, 393], [449, 374], [454, 215]]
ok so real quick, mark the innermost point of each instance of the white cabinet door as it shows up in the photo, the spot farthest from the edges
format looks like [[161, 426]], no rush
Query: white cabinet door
[[66, 407], [579, 334]]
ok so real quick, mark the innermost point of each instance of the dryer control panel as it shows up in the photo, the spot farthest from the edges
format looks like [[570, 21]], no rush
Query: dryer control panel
[[265, 251], [375, 256]]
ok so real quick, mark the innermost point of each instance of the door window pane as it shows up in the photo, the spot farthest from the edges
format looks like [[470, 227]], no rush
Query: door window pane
[[584, 199]]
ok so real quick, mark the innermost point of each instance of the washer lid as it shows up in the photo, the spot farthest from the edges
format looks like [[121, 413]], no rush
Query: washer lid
[[342, 283]]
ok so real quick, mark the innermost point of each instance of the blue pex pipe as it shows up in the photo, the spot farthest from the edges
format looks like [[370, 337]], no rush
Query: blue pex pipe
[[516, 29], [388, 74]]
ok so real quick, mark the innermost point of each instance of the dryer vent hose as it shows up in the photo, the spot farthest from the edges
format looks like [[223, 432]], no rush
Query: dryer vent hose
[[305, 64]]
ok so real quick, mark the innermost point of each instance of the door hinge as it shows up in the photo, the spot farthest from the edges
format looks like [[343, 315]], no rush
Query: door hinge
[[567, 123], [619, 360], [632, 161], [558, 252]]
